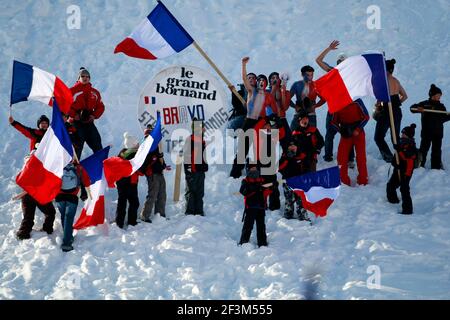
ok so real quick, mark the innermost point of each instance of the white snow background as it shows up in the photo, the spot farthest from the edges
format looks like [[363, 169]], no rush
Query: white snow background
[[198, 257]]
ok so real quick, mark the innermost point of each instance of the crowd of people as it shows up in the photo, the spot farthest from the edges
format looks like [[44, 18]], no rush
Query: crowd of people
[[267, 103]]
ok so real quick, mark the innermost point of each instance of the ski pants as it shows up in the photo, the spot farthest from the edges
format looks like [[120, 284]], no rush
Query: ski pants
[[329, 140], [128, 193], [381, 128], [391, 191], [250, 216], [156, 196], [88, 133], [29, 206], [345, 145], [435, 142], [195, 190]]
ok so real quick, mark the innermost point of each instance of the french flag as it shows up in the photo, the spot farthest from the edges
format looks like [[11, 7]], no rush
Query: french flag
[[318, 190], [93, 212], [355, 77], [158, 36], [42, 174], [32, 83], [117, 168]]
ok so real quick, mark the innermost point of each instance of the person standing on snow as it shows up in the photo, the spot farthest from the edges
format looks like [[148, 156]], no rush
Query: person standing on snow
[[282, 98], [86, 108], [407, 153], [350, 122], [255, 194], [195, 167], [28, 203], [153, 169], [127, 187], [259, 102], [432, 127], [67, 200], [398, 96], [330, 130]]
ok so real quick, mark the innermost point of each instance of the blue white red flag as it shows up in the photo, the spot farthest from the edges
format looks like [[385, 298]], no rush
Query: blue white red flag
[[158, 36], [318, 190]]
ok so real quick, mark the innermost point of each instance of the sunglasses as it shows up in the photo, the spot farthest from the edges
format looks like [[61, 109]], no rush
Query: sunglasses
[[85, 77]]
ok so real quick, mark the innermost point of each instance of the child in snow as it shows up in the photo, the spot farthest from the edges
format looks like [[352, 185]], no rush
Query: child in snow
[[153, 169], [432, 127], [407, 152], [255, 192], [127, 187], [67, 200]]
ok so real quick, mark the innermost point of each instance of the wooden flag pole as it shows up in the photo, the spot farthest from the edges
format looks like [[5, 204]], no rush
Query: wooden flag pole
[[177, 182], [213, 65], [394, 137]]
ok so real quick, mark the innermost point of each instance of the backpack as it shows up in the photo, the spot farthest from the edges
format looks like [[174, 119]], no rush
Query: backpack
[[70, 178]]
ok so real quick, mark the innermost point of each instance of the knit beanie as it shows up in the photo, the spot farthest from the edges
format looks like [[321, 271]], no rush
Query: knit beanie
[[434, 90], [410, 131]]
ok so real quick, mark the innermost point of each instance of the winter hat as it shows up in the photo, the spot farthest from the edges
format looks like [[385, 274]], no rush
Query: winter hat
[[130, 141], [434, 90], [305, 69], [410, 131], [390, 65], [83, 71], [42, 118], [341, 57]]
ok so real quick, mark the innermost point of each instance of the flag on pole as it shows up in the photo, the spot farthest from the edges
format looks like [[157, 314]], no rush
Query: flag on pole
[[93, 212], [158, 36], [318, 190], [355, 77], [42, 174], [117, 168], [32, 83]]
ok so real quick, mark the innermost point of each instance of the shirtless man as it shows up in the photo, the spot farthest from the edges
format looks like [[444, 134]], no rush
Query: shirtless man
[[398, 96], [259, 104]]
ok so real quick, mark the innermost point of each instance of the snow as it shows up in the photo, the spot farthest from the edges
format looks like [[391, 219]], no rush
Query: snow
[[190, 257]]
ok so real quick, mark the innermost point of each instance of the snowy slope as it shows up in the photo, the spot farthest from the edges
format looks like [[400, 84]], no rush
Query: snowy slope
[[197, 257]]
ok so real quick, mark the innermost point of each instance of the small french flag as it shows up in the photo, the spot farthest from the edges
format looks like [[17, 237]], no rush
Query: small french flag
[[32, 83], [42, 174], [158, 36], [355, 77], [318, 190]]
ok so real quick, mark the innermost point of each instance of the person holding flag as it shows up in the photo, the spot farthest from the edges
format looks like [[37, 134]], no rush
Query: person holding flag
[[41, 176], [67, 200], [350, 122]]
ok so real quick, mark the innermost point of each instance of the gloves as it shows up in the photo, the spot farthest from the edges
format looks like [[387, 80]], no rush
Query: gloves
[[83, 195]]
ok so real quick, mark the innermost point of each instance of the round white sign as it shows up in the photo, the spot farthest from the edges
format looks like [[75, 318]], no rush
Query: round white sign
[[181, 94]]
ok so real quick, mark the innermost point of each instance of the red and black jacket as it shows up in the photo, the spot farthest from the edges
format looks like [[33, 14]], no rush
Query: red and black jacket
[[292, 165], [407, 153], [255, 195], [309, 142], [194, 160], [86, 97], [35, 135]]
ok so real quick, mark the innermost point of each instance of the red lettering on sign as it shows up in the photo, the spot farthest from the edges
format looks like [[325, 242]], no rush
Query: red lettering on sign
[[174, 115]]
